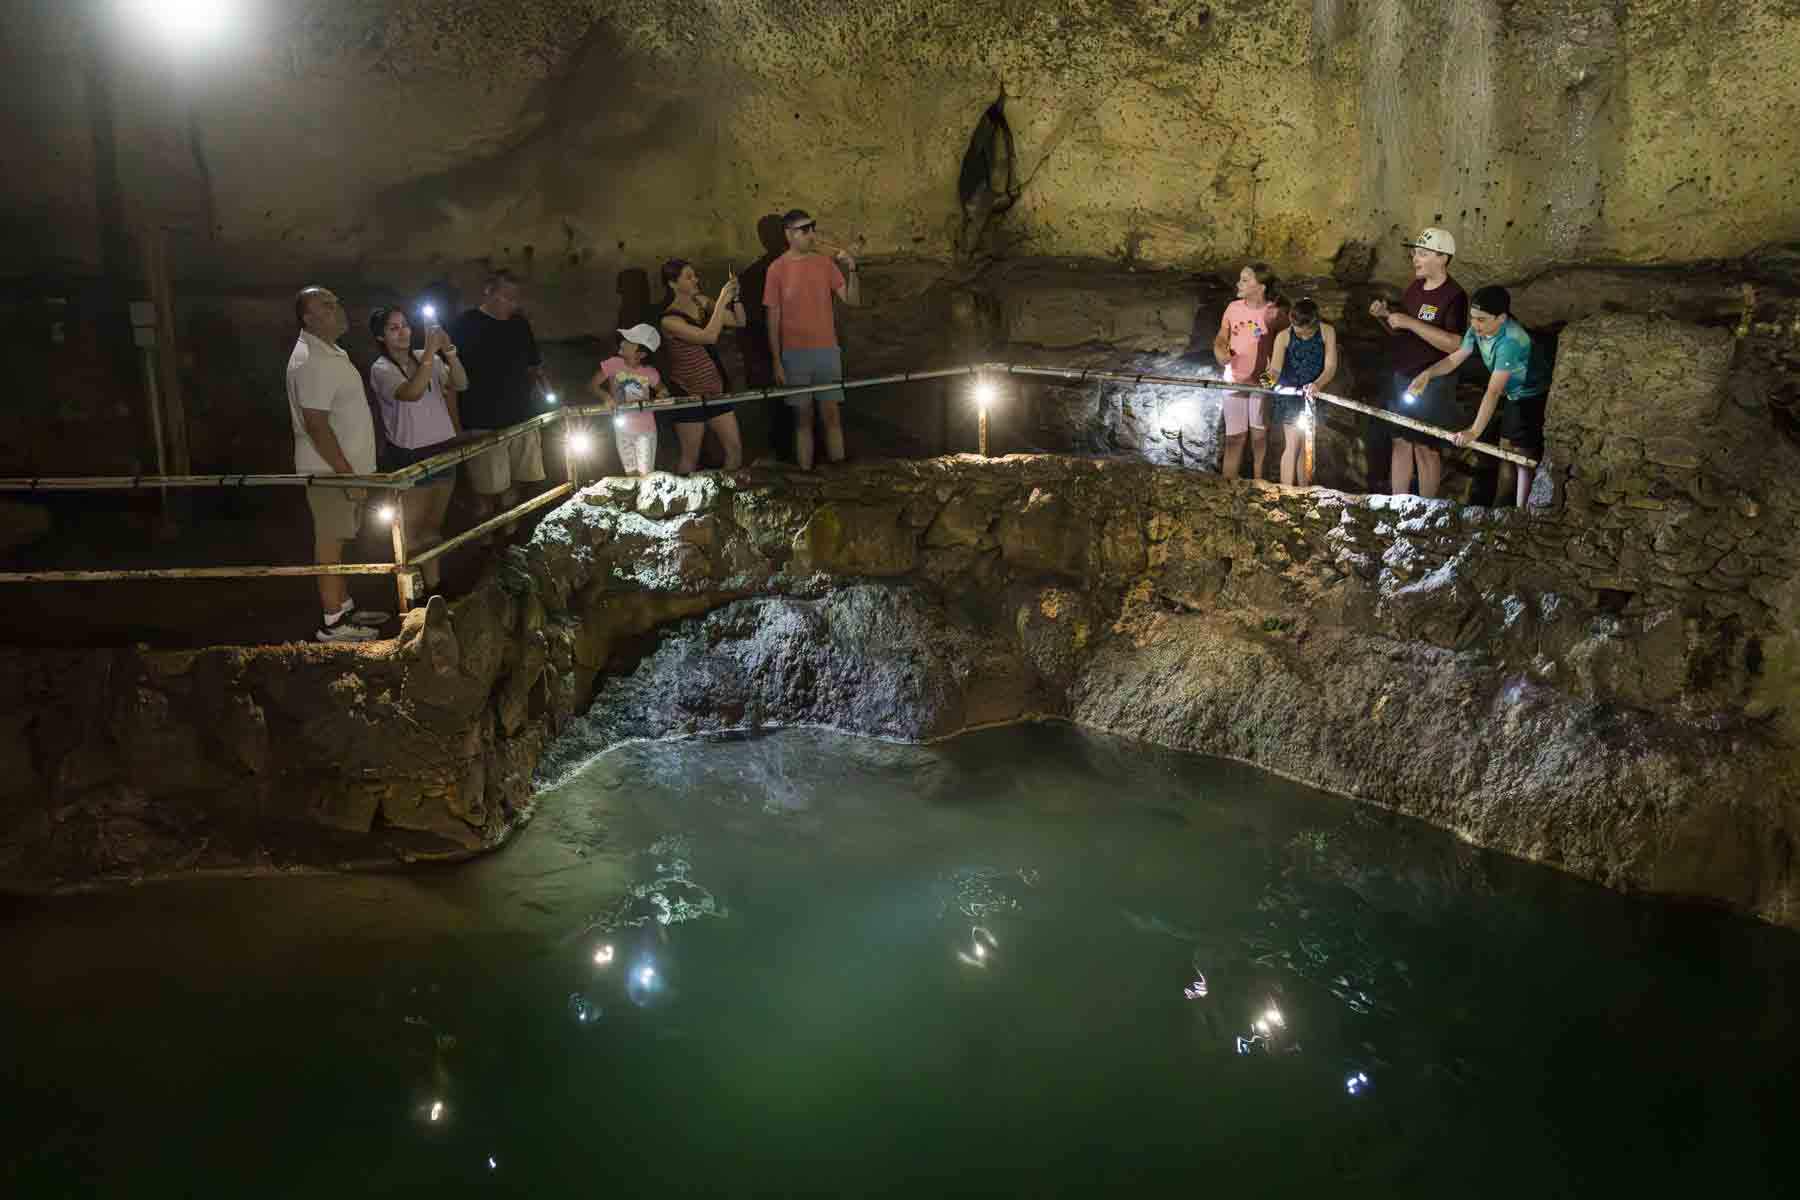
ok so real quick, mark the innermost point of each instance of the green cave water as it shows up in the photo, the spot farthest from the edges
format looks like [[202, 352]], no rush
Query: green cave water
[[1029, 961]]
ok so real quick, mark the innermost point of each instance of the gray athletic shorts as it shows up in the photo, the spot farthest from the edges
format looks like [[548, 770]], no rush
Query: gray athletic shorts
[[813, 366]]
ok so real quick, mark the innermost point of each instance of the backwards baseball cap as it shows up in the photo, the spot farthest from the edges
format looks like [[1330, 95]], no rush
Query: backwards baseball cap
[[795, 217], [644, 335], [1435, 239]]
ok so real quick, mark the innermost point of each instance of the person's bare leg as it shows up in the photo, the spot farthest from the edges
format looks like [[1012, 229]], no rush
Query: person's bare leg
[[834, 430], [725, 428], [333, 589], [690, 434], [1431, 471], [437, 510], [1234, 454], [483, 504], [803, 434], [502, 503], [643, 455], [1523, 487], [1400, 468], [1259, 450], [1305, 468], [1290, 454], [415, 504]]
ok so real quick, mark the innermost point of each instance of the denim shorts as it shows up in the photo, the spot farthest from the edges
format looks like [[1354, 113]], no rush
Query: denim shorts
[[813, 366], [405, 456]]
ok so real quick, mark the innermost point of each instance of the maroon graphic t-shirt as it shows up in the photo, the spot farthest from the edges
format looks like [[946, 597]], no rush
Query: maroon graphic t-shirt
[[1447, 307]]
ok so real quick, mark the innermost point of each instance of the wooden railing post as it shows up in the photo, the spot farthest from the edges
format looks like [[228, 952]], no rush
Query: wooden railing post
[[403, 576]]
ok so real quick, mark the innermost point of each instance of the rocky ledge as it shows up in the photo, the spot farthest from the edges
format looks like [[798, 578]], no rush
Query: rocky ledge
[[1603, 682]]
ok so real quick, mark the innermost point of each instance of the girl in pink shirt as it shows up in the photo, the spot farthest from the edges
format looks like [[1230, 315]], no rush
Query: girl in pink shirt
[[1246, 333], [628, 379]]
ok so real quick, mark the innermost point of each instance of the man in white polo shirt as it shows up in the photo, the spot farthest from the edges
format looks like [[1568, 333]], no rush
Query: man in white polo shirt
[[333, 434]]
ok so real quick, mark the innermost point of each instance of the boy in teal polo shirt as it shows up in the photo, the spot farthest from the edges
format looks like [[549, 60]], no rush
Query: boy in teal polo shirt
[[1514, 375]]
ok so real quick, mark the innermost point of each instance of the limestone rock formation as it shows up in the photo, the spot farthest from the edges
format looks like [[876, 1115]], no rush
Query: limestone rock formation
[[1605, 682], [581, 142], [576, 138]]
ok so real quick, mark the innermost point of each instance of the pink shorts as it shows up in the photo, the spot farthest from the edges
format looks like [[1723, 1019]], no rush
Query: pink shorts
[[1243, 412]]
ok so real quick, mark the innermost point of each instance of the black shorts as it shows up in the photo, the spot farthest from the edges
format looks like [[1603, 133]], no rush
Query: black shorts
[[395, 457], [702, 412], [1436, 405], [1522, 423]]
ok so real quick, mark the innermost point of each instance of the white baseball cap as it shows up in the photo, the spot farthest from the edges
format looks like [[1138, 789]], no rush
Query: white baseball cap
[[1435, 239], [644, 335]]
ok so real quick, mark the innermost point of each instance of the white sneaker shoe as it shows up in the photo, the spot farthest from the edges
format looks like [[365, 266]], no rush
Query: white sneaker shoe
[[346, 630], [350, 615]]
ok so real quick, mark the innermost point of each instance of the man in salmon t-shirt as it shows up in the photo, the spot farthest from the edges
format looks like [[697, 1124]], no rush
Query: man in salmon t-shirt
[[803, 331]]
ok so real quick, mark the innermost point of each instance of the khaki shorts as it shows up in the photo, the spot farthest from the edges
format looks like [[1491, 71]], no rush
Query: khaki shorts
[[335, 516], [1244, 411], [518, 461]]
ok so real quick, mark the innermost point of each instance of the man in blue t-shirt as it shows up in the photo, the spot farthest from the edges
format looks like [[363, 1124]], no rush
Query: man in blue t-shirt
[[1514, 376]]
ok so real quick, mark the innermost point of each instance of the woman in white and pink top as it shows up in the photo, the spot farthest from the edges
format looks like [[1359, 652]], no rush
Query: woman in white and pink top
[[416, 391], [628, 378], [1246, 334]]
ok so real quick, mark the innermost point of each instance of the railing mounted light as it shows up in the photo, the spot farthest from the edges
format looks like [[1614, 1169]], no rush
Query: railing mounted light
[[986, 393]]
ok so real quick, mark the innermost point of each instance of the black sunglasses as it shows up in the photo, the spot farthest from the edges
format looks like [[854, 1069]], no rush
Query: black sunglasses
[[806, 228]]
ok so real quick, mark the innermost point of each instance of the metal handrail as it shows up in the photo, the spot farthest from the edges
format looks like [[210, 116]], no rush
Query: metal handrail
[[1081, 374]]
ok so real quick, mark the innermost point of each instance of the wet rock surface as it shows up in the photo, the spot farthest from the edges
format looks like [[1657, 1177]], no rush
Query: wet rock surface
[[1605, 681]]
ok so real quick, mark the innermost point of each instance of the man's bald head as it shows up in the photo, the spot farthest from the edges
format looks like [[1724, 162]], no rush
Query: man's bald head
[[318, 311]]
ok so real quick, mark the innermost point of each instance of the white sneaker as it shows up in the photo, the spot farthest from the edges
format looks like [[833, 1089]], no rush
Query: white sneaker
[[346, 631], [373, 618]]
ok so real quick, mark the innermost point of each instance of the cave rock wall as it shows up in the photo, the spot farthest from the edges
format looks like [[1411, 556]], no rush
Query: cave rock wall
[[1605, 682], [574, 138]]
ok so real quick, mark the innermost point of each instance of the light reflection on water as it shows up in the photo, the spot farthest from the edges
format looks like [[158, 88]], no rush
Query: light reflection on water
[[1029, 960]]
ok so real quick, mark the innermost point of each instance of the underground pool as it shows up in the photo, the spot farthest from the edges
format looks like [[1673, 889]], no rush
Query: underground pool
[[1029, 960]]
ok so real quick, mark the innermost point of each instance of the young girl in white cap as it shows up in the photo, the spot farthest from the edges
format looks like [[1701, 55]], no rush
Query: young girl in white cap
[[628, 379]]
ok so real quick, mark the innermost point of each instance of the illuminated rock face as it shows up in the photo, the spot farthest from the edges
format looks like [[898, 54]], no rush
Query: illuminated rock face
[[1609, 684], [1606, 682], [382, 148], [572, 139]]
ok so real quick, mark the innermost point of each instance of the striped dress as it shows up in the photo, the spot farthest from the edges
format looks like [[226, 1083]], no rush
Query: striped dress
[[691, 366]]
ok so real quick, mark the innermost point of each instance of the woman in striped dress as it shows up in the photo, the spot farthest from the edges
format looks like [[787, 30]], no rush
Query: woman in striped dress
[[691, 326]]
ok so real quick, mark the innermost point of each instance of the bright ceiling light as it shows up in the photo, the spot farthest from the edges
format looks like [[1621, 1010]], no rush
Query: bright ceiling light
[[183, 22]]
